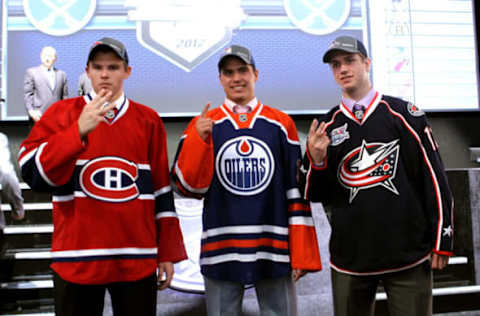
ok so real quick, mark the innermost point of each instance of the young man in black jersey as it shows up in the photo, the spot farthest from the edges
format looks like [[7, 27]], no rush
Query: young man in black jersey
[[373, 162]]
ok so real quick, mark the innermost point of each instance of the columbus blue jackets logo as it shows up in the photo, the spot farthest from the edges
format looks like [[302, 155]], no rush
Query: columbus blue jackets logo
[[109, 179], [368, 166], [245, 165]]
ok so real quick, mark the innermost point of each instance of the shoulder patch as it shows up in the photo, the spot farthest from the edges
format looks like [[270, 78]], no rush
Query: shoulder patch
[[414, 110], [339, 135]]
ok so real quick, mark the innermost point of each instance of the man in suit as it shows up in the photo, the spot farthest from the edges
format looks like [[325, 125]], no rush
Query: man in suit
[[84, 85], [44, 85]]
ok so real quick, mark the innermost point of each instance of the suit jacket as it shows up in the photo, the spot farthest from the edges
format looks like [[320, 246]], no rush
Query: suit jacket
[[38, 95], [84, 84]]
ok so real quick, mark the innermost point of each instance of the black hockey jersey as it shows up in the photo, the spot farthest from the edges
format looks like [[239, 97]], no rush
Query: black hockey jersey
[[385, 184]]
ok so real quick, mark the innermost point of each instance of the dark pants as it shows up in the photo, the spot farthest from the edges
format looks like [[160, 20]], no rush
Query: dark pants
[[128, 298], [409, 292]]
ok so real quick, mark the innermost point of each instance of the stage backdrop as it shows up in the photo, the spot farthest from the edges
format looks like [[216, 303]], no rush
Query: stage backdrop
[[422, 50]]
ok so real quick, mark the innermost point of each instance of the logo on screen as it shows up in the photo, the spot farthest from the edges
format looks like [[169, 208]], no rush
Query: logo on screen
[[318, 17], [245, 165], [59, 17], [185, 32]]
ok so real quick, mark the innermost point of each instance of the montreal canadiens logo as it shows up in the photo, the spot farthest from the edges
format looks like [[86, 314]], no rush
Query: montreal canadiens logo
[[245, 165], [110, 179], [368, 166]]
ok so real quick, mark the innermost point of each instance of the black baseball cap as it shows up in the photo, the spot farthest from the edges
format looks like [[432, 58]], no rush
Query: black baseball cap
[[346, 44], [237, 51], [111, 43]]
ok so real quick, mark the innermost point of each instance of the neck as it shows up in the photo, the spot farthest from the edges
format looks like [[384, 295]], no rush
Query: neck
[[357, 94], [242, 101]]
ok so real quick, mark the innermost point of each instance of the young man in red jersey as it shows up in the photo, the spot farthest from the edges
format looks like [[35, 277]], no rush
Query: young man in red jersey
[[104, 158]]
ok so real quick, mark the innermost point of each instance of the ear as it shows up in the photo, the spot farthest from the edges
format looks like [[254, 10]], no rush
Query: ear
[[128, 72], [368, 63], [256, 75]]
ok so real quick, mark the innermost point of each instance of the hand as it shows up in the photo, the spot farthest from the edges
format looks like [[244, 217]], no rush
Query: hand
[[204, 125], [35, 115], [297, 274], [317, 142], [94, 112], [18, 216], [166, 267], [439, 261]]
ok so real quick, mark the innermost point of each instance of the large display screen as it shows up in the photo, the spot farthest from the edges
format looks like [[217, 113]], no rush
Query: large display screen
[[421, 50]]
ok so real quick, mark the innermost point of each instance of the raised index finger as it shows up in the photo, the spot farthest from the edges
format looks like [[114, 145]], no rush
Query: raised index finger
[[205, 110], [313, 127]]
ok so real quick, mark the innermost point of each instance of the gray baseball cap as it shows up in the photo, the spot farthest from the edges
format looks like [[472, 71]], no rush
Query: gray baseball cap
[[111, 43], [238, 51], [347, 44]]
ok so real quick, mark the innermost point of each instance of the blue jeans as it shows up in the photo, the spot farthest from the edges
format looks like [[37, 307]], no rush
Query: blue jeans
[[276, 297]]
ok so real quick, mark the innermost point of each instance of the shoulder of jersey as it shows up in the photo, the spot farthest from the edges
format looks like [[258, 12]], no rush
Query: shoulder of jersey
[[147, 112], [216, 113], [276, 115]]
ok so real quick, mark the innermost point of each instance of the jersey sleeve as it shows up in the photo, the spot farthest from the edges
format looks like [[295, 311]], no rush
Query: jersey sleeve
[[304, 250], [316, 180], [47, 157], [193, 168], [426, 166], [171, 247]]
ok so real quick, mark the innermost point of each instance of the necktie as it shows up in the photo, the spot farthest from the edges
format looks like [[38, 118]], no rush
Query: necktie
[[358, 111], [51, 78], [240, 109]]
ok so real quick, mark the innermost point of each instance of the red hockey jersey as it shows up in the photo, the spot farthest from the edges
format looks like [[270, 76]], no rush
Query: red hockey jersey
[[113, 212]]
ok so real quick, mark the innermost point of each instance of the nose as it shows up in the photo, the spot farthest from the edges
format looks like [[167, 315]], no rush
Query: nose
[[342, 68], [236, 76]]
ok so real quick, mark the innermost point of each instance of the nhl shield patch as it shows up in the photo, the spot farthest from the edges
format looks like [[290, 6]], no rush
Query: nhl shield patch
[[414, 110]]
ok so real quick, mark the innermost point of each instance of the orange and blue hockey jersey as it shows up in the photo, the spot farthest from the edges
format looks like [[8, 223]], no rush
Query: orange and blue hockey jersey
[[255, 223], [113, 211]]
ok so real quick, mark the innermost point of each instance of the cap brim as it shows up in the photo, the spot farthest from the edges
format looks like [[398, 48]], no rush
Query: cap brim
[[328, 55], [222, 60], [94, 50]]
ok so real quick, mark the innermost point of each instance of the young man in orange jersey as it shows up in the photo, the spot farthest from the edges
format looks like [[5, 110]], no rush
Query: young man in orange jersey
[[104, 158], [243, 157]]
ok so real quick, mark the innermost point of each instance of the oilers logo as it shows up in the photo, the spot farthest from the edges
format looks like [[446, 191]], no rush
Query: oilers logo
[[368, 166], [245, 165], [109, 179]]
